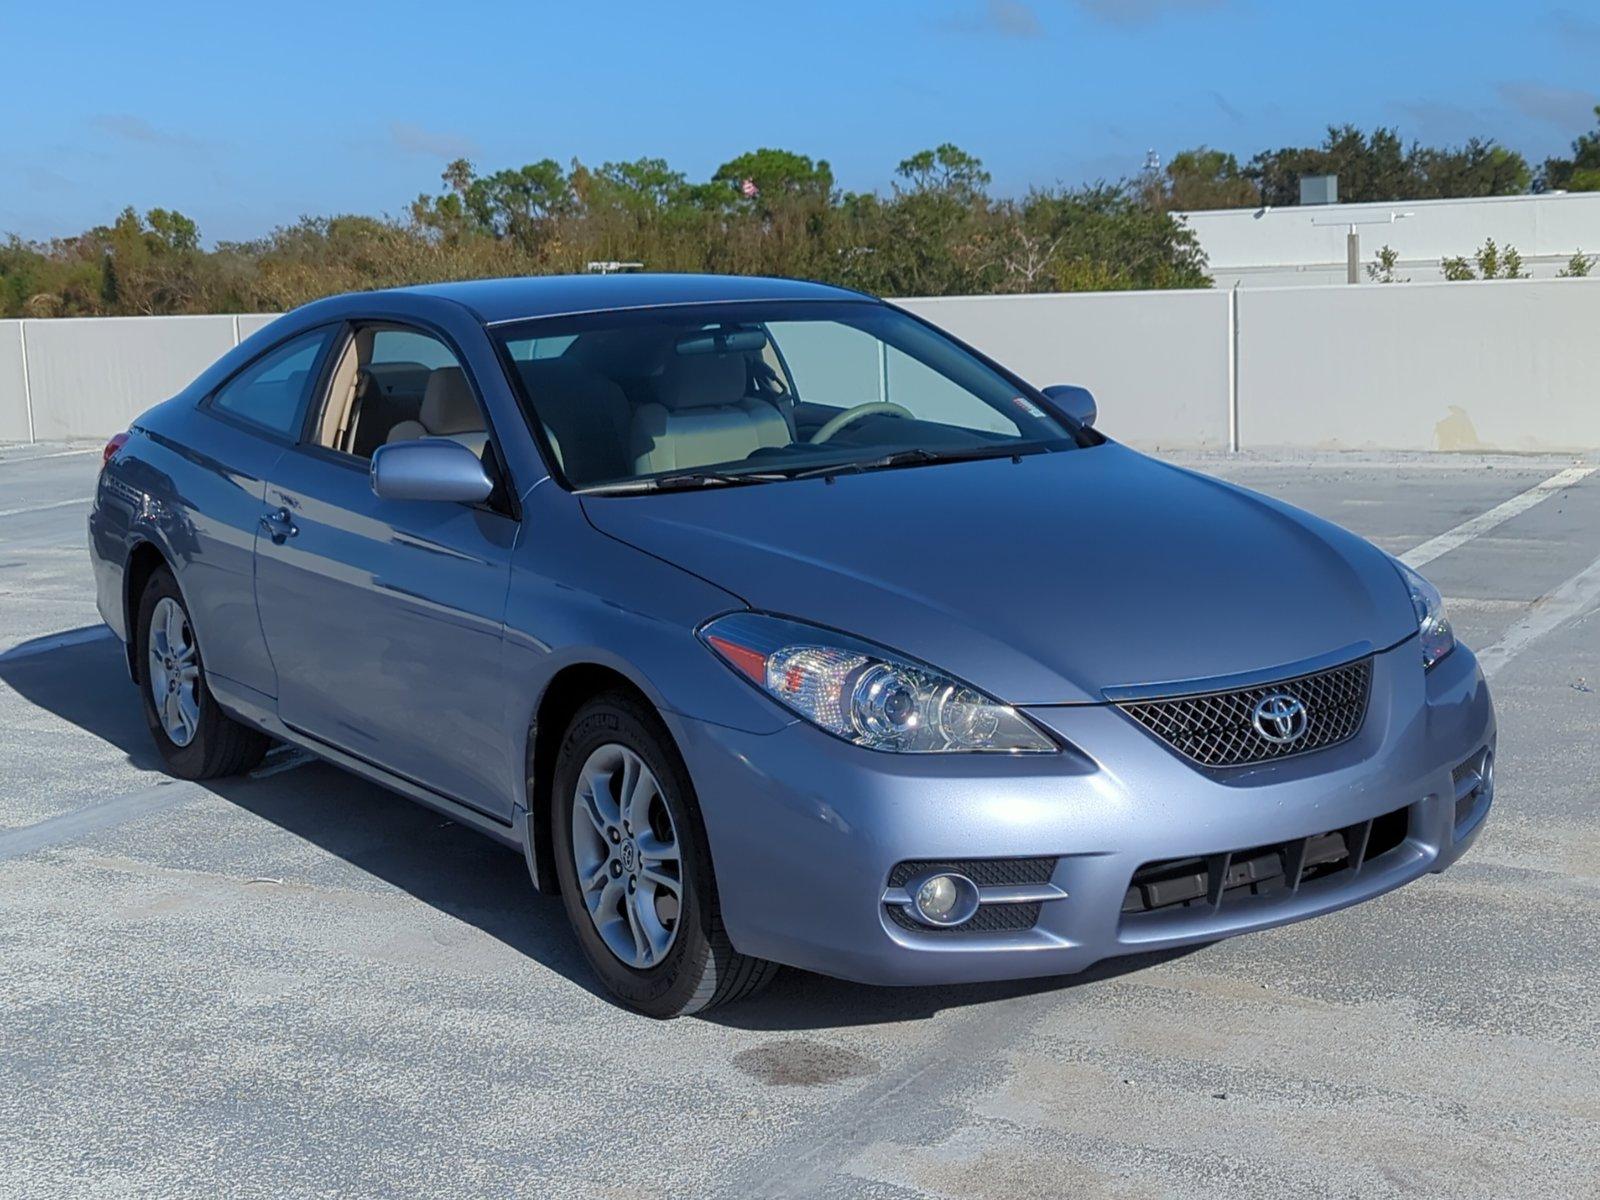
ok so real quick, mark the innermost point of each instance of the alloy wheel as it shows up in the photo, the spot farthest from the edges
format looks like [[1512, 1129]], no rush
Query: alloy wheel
[[173, 671], [625, 849]]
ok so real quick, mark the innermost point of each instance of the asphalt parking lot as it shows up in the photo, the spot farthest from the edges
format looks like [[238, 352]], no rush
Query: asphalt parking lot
[[297, 984]]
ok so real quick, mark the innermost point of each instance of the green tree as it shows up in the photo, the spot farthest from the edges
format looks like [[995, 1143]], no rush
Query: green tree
[[1203, 178], [1579, 266], [937, 230], [1377, 167], [1386, 267], [1479, 168], [1581, 172], [776, 175], [1369, 168], [1489, 261]]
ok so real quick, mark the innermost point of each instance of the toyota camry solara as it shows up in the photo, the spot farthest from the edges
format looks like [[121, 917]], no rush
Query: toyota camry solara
[[773, 625]]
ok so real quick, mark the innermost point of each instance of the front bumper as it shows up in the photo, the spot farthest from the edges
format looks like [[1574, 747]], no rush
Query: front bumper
[[806, 830]]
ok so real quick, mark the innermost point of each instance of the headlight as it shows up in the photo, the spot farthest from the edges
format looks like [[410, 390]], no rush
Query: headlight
[[865, 694], [1438, 639]]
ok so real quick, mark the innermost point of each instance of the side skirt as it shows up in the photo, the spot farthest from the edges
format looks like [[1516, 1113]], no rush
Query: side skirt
[[247, 705]]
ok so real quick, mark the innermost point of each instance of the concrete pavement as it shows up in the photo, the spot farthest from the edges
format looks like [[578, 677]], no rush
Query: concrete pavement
[[298, 984]]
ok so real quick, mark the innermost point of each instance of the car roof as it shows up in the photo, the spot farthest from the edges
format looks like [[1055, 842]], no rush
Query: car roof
[[527, 297]]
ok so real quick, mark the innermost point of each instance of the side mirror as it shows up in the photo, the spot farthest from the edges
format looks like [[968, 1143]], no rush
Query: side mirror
[[429, 469], [1077, 401]]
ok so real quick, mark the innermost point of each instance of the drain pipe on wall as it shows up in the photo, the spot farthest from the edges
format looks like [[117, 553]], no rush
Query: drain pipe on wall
[[1233, 369], [27, 385]]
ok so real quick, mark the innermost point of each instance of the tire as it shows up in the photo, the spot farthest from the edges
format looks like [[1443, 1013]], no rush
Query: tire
[[208, 743], [699, 968]]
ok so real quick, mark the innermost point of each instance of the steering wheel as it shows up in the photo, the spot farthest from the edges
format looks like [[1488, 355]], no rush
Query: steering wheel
[[850, 416]]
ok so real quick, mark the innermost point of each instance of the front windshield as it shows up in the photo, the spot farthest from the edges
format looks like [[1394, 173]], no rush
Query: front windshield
[[713, 395]]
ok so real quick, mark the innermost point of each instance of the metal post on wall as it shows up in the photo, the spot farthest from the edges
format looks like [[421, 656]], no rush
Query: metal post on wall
[[27, 384], [1233, 369], [1352, 239]]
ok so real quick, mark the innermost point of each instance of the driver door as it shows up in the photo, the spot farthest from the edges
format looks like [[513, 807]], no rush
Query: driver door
[[384, 618]]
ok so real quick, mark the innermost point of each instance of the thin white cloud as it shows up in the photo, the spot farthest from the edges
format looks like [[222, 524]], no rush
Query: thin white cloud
[[1435, 120], [1003, 18], [1575, 26], [414, 139], [129, 128], [1568, 108], [1127, 13]]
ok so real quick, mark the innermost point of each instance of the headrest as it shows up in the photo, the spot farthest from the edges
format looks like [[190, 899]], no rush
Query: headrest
[[702, 381], [447, 404], [554, 382]]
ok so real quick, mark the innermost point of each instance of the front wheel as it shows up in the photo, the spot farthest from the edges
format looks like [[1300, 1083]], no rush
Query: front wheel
[[635, 869], [197, 740]]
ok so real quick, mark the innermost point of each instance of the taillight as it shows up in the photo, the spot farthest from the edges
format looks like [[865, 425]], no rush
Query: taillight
[[116, 443]]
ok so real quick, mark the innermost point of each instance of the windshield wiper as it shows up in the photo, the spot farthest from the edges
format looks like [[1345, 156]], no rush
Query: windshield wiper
[[684, 481], [916, 457]]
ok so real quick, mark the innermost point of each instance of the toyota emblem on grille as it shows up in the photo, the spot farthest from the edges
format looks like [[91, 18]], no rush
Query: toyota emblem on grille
[[1280, 718]]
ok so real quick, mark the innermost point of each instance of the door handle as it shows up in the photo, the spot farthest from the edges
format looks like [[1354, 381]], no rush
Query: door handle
[[279, 526]]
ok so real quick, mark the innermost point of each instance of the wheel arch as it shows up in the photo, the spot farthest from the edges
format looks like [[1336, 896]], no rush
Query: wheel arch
[[145, 558], [568, 690]]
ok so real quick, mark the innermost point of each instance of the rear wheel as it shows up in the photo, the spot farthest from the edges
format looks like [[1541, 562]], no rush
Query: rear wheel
[[196, 738], [634, 866]]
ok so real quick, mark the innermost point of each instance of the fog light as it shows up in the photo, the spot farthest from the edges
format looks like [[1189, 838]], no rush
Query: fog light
[[945, 899]]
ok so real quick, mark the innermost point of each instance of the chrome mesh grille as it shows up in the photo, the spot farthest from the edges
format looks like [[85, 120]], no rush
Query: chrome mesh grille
[[1218, 730], [985, 872], [990, 918]]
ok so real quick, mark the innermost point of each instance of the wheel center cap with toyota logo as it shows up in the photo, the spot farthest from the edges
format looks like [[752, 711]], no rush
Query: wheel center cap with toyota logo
[[630, 857], [1280, 718]]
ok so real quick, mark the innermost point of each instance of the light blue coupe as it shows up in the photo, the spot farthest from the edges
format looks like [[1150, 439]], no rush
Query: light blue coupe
[[773, 625]]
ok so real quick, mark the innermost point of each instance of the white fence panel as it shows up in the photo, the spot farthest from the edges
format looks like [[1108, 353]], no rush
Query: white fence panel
[[251, 322], [1157, 362], [1450, 366], [1469, 366], [88, 377], [14, 426]]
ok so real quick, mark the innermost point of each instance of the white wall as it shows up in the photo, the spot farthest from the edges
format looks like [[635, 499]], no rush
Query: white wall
[[89, 376], [1496, 366], [1156, 361], [14, 425], [1306, 244], [1445, 366]]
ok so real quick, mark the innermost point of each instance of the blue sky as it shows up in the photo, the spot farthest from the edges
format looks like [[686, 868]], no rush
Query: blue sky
[[246, 116]]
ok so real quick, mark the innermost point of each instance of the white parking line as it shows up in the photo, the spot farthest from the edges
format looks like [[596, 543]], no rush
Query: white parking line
[[1571, 600], [22, 458], [70, 826], [73, 637], [17, 512], [1498, 515]]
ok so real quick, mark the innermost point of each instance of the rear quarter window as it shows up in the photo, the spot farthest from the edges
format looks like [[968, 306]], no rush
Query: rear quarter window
[[272, 391]]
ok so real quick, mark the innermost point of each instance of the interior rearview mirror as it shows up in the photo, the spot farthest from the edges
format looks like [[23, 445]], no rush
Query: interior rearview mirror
[[1077, 402], [429, 469]]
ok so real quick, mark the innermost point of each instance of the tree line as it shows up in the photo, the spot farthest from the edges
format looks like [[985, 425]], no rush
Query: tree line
[[1378, 166], [938, 230]]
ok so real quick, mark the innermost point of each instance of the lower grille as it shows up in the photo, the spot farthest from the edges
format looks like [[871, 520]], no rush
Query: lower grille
[[985, 872], [995, 877], [990, 918], [1474, 786], [1216, 880], [1220, 729]]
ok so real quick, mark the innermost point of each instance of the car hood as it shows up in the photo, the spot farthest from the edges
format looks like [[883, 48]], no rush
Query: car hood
[[1044, 581]]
